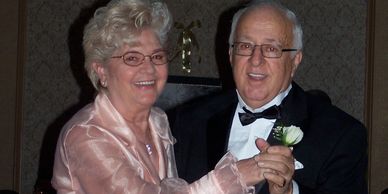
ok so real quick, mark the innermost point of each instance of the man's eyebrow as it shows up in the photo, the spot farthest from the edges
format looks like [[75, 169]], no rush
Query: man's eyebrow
[[272, 41]]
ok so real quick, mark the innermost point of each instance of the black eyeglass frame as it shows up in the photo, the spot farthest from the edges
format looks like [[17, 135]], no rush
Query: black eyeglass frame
[[261, 49]]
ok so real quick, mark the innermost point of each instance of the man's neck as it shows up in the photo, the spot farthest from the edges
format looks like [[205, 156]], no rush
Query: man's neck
[[277, 100]]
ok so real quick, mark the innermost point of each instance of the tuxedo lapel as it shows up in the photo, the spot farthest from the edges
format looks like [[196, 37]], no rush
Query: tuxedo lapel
[[218, 130], [294, 111], [271, 139], [294, 107]]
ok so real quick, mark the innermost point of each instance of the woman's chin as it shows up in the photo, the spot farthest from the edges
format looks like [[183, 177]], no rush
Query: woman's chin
[[148, 100]]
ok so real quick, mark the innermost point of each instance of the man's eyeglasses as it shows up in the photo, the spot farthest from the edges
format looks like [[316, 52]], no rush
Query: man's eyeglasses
[[267, 50], [136, 58]]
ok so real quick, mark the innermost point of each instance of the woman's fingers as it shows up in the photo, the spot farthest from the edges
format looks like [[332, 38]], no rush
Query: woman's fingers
[[275, 178], [276, 162]]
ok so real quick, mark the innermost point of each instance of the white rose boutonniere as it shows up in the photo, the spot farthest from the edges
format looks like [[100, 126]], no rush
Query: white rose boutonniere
[[289, 136]]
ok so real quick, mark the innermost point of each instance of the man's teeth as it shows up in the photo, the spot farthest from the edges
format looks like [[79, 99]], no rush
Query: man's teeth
[[145, 83], [256, 75]]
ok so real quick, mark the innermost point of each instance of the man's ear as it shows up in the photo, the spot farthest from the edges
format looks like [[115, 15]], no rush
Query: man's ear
[[100, 71], [231, 55], [296, 61]]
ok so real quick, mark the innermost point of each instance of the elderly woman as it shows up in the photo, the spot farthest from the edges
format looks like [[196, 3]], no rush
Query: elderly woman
[[120, 143]]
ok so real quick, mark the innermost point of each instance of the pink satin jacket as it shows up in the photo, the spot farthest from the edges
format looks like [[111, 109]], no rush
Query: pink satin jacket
[[98, 153]]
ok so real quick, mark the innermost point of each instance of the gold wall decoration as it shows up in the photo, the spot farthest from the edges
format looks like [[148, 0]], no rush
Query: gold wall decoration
[[186, 42]]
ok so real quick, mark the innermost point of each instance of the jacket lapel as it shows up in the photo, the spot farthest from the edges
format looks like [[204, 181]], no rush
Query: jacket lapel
[[218, 130], [293, 112]]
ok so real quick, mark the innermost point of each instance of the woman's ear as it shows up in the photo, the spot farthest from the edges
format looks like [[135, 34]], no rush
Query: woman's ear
[[101, 73]]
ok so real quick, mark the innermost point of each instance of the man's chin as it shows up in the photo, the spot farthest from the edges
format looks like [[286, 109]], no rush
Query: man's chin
[[256, 101]]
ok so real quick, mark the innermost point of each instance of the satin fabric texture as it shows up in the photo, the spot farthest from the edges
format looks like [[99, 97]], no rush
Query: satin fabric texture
[[98, 153]]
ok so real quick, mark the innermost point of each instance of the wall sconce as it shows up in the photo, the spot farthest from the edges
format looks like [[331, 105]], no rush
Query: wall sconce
[[185, 44]]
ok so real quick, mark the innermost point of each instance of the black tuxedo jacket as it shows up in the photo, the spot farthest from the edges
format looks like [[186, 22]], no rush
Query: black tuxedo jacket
[[333, 149]]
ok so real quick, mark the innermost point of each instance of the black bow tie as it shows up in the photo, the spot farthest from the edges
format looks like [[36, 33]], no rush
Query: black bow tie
[[249, 117]]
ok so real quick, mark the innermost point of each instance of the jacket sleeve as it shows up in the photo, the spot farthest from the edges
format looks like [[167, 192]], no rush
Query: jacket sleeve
[[345, 170]]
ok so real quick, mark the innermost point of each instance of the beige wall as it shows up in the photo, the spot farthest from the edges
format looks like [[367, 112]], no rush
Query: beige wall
[[9, 87], [377, 98]]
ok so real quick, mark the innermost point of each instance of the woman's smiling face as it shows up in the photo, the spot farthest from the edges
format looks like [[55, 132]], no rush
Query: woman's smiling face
[[135, 86]]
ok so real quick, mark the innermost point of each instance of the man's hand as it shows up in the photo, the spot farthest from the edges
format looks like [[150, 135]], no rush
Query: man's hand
[[279, 162], [251, 172]]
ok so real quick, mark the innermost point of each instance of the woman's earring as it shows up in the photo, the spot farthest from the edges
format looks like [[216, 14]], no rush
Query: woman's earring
[[104, 84]]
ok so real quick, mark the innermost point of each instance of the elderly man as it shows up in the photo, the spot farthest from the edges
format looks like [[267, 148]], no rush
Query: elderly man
[[265, 51]]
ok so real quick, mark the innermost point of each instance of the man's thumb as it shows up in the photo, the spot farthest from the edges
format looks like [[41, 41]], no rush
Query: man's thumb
[[262, 145]]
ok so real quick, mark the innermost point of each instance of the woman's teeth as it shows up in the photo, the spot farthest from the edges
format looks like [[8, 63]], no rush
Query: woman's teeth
[[145, 83]]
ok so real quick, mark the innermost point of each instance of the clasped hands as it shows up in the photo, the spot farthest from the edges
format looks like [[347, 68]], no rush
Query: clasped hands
[[274, 164]]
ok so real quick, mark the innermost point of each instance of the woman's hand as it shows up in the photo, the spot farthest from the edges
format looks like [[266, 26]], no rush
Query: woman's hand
[[251, 172]]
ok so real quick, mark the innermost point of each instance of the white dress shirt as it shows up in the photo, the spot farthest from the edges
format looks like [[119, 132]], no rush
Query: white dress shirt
[[242, 138]]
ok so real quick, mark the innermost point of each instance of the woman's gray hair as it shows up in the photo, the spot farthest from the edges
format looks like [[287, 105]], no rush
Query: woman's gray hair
[[119, 23], [297, 28]]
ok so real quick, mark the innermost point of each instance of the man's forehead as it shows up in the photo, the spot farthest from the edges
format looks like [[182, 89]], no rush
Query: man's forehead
[[267, 22]]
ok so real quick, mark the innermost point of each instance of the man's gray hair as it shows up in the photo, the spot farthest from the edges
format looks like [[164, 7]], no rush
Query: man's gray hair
[[297, 28]]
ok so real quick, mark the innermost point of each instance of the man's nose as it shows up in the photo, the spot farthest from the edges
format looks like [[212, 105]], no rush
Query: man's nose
[[257, 57]]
